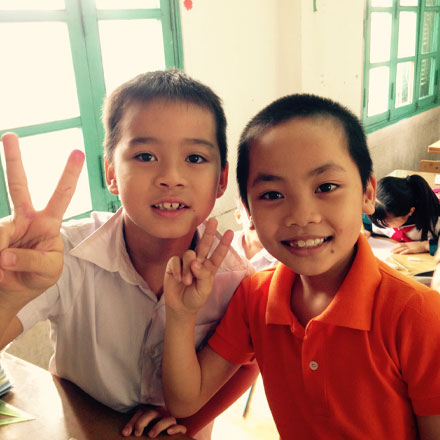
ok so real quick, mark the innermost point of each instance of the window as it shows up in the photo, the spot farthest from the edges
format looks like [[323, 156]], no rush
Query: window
[[58, 59], [401, 60]]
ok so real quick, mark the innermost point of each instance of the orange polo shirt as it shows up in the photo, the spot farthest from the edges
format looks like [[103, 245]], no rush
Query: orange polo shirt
[[359, 370]]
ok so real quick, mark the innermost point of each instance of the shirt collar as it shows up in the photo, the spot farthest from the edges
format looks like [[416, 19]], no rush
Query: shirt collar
[[106, 248], [352, 305]]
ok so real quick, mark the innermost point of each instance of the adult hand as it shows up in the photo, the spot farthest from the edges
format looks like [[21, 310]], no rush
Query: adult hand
[[31, 248]]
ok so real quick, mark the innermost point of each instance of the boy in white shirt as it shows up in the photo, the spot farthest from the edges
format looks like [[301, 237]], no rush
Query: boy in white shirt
[[165, 157]]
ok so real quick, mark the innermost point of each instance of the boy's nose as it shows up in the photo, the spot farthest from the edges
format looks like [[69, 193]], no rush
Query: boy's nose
[[301, 213], [170, 176]]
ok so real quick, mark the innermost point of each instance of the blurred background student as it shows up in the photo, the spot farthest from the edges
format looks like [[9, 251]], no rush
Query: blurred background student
[[407, 210], [246, 242]]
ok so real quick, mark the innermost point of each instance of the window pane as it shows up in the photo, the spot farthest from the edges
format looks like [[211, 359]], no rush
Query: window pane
[[130, 47], [127, 4], [38, 84], [404, 83], [381, 3], [428, 43], [407, 34], [44, 157], [409, 2], [378, 90], [432, 2], [380, 41], [18, 5], [426, 77]]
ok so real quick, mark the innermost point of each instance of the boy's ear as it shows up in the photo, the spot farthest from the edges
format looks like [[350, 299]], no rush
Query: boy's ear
[[369, 196], [223, 181], [110, 178]]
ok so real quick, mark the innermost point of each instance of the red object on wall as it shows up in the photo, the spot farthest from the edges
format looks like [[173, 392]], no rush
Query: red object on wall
[[188, 4]]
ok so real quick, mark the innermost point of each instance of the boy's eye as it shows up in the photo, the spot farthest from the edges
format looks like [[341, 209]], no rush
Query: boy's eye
[[195, 158], [271, 195], [145, 157], [326, 187]]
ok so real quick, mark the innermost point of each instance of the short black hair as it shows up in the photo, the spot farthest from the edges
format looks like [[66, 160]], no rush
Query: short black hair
[[173, 85], [303, 106]]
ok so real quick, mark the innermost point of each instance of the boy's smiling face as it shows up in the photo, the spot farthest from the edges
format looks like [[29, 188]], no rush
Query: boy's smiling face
[[166, 168], [306, 197]]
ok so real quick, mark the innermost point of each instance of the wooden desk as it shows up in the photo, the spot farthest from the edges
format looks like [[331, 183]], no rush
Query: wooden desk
[[434, 148], [62, 410], [429, 177]]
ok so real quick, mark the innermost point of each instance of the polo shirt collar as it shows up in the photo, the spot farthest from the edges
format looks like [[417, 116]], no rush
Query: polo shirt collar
[[352, 305]]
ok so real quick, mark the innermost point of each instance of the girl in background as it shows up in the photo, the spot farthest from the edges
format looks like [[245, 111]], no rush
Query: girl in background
[[407, 210]]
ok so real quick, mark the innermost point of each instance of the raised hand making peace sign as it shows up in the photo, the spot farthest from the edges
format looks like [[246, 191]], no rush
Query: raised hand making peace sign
[[31, 248]]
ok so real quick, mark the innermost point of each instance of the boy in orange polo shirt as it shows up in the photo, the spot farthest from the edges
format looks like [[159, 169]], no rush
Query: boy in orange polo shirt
[[347, 347]]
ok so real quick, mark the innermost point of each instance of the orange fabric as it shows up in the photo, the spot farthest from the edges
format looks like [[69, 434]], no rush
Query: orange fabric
[[360, 370]]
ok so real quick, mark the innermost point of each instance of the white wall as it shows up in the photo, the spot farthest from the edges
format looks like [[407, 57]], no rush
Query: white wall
[[254, 51], [231, 46]]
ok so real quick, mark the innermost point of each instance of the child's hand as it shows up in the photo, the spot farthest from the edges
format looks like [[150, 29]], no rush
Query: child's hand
[[31, 248], [157, 417], [411, 247], [189, 280]]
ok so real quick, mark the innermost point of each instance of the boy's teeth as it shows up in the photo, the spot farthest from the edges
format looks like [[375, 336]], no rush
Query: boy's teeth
[[169, 206], [311, 242]]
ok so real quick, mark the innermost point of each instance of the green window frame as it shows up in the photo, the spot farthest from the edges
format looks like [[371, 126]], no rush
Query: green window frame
[[82, 19], [402, 57]]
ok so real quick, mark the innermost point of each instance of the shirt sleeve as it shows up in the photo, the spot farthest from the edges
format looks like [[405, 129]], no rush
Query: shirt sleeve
[[232, 339], [418, 336]]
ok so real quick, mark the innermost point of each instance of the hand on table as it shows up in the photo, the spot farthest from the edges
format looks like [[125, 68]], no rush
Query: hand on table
[[31, 248], [411, 247], [157, 417]]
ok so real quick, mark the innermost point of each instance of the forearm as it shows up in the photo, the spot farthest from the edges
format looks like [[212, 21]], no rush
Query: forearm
[[241, 381], [181, 372]]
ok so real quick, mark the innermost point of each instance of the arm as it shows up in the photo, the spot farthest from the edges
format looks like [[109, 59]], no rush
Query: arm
[[31, 248], [411, 247], [239, 383], [189, 380], [429, 427]]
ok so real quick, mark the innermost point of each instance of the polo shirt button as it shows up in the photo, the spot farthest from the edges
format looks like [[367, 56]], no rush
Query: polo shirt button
[[313, 365]]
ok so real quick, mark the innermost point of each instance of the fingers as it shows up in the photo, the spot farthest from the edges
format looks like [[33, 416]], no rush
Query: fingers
[[174, 268], [205, 243], [17, 181], [65, 189], [45, 264], [139, 421], [167, 423], [143, 418]]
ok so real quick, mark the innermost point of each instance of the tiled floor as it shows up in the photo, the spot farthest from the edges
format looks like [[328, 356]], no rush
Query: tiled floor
[[258, 423]]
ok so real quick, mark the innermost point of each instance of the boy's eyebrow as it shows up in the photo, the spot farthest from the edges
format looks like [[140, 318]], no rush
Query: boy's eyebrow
[[263, 177], [151, 139]]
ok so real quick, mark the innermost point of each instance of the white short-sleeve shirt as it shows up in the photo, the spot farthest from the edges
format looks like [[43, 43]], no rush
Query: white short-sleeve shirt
[[107, 326]]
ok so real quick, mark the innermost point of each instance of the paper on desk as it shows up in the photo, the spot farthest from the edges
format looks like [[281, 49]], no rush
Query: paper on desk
[[12, 414], [381, 248]]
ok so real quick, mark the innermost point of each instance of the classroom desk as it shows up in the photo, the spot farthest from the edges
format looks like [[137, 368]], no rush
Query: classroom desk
[[406, 264], [434, 148], [429, 177], [62, 410]]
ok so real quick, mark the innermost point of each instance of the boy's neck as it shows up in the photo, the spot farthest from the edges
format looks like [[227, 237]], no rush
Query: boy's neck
[[150, 255], [311, 295]]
